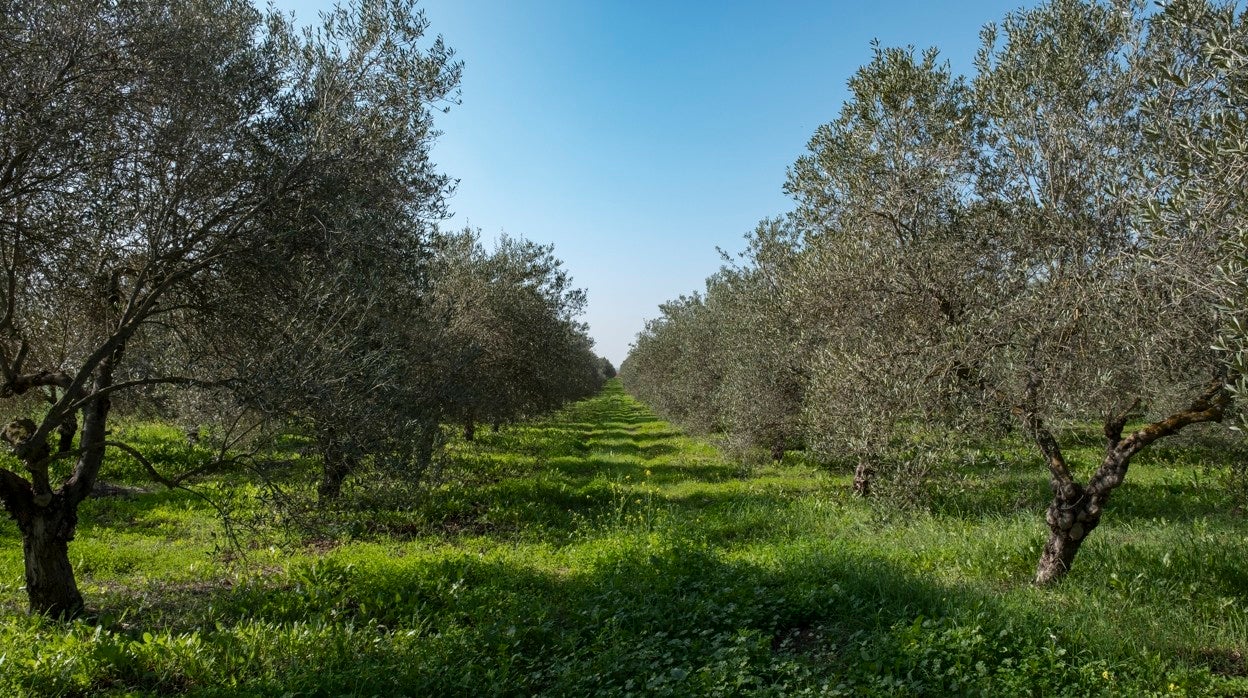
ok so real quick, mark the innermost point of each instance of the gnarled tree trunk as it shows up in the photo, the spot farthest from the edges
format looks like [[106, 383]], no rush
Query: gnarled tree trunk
[[1077, 509], [50, 584], [1070, 518], [863, 475], [46, 517]]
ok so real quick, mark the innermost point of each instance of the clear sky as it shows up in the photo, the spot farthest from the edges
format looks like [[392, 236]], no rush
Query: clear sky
[[639, 135]]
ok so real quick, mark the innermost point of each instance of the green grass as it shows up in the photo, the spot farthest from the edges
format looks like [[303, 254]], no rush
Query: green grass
[[602, 552]]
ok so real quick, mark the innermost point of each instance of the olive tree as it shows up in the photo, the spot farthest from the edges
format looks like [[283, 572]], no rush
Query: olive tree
[[888, 265], [508, 322], [1032, 246], [347, 352], [672, 365], [759, 352], [1030, 288], [1104, 324], [160, 174]]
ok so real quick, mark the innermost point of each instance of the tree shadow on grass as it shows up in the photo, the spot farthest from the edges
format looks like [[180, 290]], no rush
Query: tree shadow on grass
[[977, 495], [670, 615]]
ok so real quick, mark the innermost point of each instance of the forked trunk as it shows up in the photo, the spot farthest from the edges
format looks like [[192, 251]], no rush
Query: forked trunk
[[47, 517], [50, 584], [1076, 509]]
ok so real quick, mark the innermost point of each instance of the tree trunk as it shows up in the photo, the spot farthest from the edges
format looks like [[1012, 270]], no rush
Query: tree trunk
[[470, 429], [1076, 510], [66, 432], [426, 440], [47, 518], [50, 584], [777, 451], [334, 472], [863, 475], [1070, 519], [336, 465], [495, 426]]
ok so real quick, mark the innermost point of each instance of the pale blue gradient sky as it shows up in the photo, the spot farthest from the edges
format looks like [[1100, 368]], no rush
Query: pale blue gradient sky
[[638, 136]]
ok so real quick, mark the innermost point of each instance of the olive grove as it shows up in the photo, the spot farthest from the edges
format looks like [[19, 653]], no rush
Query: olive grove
[[1050, 242], [201, 204]]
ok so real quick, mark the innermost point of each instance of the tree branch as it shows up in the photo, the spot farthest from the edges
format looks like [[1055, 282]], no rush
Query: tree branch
[[170, 380], [1210, 406], [16, 494], [1114, 424]]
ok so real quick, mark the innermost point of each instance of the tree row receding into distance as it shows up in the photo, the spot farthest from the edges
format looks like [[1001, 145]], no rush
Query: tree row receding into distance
[[1055, 241], [211, 217]]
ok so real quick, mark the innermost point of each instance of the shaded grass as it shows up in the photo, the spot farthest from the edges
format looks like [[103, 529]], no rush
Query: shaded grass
[[600, 552]]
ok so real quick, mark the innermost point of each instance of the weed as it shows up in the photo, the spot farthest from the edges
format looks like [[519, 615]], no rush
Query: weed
[[599, 552]]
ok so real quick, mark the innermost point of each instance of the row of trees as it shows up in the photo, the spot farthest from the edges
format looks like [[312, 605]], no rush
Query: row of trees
[[1057, 239], [207, 213]]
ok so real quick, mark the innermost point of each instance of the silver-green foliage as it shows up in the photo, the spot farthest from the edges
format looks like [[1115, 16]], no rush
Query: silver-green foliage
[[1027, 248]]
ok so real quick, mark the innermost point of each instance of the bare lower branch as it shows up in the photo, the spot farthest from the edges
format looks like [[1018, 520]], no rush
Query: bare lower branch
[[1210, 406], [1052, 451], [170, 380], [18, 384], [170, 482]]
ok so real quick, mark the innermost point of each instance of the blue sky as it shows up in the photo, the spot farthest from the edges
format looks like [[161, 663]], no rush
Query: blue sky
[[639, 136]]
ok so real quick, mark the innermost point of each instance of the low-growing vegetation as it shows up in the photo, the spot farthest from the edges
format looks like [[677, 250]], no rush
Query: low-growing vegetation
[[273, 429], [601, 552], [1052, 241]]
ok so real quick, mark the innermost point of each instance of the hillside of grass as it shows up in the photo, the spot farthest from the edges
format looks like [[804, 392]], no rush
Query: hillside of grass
[[601, 552]]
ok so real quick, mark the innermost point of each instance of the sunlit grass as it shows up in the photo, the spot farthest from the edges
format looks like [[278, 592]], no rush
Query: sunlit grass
[[600, 551]]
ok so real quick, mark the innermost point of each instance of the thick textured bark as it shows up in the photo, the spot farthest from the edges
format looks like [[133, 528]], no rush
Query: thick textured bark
[[1076, 510], [863, 475], [1070, 521], [50, 584]]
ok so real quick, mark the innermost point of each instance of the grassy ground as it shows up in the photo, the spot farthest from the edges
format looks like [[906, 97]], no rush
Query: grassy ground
[[601, 552]]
